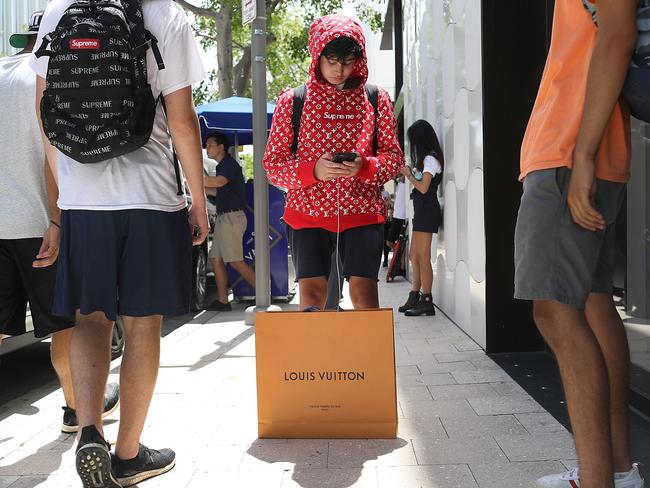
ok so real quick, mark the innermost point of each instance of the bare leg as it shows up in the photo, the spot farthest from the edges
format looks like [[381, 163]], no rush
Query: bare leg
[[422, 240], [60, 355], [415, 264], [221, 279], [607, 326], [245, 271], [586, 386], [90, 358], [363, 292], [313, 292], [138, 375]]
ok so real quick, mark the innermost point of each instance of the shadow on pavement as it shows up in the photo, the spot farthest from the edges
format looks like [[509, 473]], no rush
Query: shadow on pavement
[[310, 457]]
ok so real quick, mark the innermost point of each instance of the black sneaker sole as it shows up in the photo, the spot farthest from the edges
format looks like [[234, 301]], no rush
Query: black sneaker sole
[[73, 429], [145, 475], [93, 463]]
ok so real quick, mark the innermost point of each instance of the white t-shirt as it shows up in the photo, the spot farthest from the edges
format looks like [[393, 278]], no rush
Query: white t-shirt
[[144, 178], [23, 200], [432, 166], [399, 210]]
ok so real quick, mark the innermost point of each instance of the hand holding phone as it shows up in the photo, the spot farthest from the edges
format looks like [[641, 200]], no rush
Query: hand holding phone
[[339, 157]]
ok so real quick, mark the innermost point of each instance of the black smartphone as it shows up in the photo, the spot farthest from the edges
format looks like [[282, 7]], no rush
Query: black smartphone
[[339, 157]]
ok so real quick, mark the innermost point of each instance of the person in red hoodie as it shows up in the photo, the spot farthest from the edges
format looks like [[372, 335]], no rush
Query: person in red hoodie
[[334, 205]]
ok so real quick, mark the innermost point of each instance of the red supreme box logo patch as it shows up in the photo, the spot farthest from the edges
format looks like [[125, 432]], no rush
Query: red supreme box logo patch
[[84, 43]]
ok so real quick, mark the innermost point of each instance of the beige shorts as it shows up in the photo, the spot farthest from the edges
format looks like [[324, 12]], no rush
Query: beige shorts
[[227, 241]]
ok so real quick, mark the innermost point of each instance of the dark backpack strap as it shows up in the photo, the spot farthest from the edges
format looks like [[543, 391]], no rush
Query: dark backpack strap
[[373, 97], [176, 164], [299, 95]]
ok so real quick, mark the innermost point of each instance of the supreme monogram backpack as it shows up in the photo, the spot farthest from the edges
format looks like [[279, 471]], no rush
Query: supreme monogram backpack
[[97, 102], [635, 90]]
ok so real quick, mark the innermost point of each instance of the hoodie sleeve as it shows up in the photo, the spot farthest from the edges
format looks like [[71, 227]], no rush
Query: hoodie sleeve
[[282, 167], [383, 167]]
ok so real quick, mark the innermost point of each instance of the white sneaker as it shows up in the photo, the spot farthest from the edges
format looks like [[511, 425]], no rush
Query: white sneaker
[[571, 479]]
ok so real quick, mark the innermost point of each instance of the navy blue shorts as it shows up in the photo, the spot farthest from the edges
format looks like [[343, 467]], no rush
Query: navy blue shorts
[[124, 262], [360, 249]]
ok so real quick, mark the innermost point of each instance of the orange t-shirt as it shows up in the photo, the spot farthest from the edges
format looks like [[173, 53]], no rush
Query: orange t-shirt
[[553, 127]]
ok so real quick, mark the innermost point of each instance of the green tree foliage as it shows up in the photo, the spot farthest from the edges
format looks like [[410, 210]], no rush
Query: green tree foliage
[[218, 25]]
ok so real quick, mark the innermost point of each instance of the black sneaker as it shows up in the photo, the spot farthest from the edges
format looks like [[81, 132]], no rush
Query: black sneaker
[[93, 460], [219, 306], [147, 464], [111, 402]]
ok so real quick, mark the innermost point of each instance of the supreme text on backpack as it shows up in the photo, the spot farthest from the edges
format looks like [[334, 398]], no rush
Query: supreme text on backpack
[[97, 102]]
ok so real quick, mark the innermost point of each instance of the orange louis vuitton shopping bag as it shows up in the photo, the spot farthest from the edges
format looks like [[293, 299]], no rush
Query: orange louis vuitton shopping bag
[[326, 374]]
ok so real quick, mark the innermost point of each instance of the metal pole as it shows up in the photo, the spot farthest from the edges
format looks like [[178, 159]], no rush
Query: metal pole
[[262, 255]]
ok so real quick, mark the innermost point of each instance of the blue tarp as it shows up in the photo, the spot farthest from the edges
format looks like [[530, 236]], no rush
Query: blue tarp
[[232, 116]]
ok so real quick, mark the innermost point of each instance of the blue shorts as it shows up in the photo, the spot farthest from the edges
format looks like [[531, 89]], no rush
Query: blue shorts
[[124, 262], [360, 250]]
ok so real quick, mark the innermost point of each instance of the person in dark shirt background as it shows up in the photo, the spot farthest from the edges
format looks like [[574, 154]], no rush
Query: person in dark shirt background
[[227, 245]]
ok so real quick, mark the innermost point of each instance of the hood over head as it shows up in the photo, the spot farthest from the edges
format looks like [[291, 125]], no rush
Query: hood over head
[[324, 30]]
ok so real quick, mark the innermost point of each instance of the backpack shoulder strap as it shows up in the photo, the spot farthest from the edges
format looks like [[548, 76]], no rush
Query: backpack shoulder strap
[[299, 94], [373, 97]]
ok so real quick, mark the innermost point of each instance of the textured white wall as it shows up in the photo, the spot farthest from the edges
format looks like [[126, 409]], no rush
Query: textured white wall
[[442, 84]]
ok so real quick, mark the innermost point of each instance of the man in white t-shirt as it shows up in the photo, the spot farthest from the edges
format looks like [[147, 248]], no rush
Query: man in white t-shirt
[[126, 249]]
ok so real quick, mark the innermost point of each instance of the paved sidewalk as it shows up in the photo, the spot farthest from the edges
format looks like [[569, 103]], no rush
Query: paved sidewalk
[[463, 422]]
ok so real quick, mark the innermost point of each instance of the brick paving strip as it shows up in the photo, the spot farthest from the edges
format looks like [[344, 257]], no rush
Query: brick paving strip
[[463, 423]]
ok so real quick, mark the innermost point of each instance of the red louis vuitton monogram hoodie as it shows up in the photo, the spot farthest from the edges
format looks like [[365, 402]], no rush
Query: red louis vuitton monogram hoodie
[[333, 120]]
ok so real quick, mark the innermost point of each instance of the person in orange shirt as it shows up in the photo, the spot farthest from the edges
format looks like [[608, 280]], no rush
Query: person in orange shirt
[[575, 161]]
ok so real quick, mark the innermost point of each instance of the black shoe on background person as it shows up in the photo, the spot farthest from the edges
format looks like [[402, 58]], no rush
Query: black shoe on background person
[[70, 424], [219, 306], [424, 307], [413, 299]]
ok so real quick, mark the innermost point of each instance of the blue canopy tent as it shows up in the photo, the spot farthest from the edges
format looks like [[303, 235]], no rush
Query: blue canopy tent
[[231, 116]]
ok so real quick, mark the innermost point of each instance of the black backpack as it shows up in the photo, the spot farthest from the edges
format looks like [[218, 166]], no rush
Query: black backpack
[[299, 95], [97, 102]]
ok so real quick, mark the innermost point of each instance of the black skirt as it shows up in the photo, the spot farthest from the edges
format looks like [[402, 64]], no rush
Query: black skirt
[[427, 215]]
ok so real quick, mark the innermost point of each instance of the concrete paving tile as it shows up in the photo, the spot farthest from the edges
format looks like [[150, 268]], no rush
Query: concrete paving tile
[[452, 451], [413, 393], [502, 405], [508, 388], [456, 476], [7, 481], [461, 392], [459, 356], [426, 380], [420, 334], [435, 348], [370, 452], [569, 464], [467, 345], [330, 478], [485, 363], [407, 370], [421, 428], [305, 453], [437, 408], [484, 426], [430, 367], [487, 376], [536, 423], [513, 475], [260, 477], [537, 447], [53, 481]]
